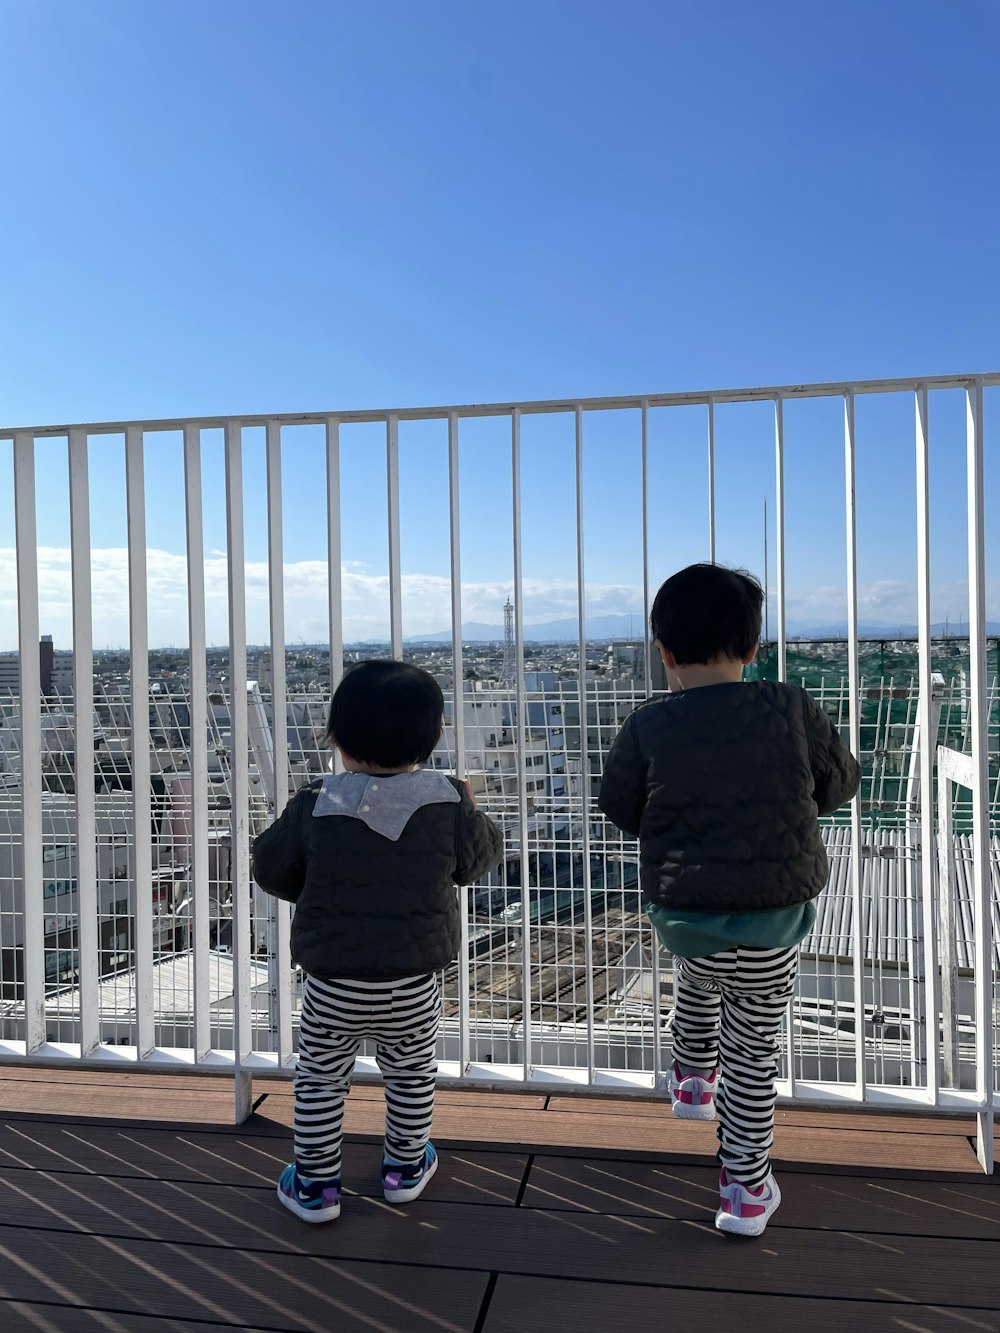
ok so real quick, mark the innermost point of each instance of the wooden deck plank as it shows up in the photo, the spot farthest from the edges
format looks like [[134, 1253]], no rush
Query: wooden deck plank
[[474, 1097], [838, 1150], [652, 1107], [541, 1305], [19, 1317], [183, 1156], [236, 1216], [194, 1099], [527, 1128], [122, 1080], [235, 1288], [216, 1216], [895, 1141], [582, 1129], [881, 1122], [814, 1118], [206, 1220], [651, 1251], [222, 1216], [576, 1128], [111, 1078], [667, 1253], [967, 1209], [85, 1100], [164, 1152], [795, 1144]]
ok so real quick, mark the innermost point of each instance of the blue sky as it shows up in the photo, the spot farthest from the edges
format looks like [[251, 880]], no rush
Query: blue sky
[[248, 207]]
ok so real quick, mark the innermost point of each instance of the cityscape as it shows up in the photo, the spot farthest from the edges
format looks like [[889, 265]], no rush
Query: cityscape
[[585, 946]]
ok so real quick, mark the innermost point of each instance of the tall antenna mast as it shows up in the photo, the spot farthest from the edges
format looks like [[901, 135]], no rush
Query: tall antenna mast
[[508, 669]]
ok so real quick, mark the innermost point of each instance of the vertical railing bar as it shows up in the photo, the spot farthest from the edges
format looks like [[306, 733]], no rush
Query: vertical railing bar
[[279, 914], [88, 941], [646, 637], [926, 941], [779, 518], [581, 594], [334, 566], [978, 718], [239, 792], [30, 740], [520, 741], [854, 718], [395, 562], [200, 893], [142, 863], [458, 715], [648, 651], [276, 607], [711, 480], [333, 553]]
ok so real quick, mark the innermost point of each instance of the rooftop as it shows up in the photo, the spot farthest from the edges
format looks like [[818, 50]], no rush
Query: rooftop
[[131, 1204]]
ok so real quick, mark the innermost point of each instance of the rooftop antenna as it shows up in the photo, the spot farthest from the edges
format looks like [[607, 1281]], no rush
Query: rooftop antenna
[[507, 670]]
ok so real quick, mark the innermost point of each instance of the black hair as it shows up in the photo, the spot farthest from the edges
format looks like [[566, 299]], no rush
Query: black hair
[[386, 713], [707, 611]]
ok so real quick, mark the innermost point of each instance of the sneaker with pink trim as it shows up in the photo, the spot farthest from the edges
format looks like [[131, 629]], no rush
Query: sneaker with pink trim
[[693, 1095], [744, 1211]]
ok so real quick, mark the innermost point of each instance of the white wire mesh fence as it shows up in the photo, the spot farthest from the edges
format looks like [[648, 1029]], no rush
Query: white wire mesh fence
[[820, 1044]]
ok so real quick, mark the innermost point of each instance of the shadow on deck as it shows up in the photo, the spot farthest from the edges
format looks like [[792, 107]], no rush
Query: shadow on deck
[[128, 1204]]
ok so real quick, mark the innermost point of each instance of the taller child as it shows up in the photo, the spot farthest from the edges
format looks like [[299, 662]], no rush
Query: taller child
[[723, 782], [371, 858]]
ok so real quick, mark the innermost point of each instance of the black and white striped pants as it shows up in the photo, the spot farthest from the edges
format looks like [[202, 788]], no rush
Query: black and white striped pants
[[728, 1009], [402, 1018]]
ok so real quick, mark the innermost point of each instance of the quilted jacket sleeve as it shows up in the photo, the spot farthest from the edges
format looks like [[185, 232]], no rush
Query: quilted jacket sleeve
[[836, 772], [623, 786], [480, 841], [277, 858]]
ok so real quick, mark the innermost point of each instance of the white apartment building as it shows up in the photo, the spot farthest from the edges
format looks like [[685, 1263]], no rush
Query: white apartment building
[[56, 670]]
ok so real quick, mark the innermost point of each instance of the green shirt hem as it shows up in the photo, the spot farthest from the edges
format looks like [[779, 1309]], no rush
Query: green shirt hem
[[700, 934]]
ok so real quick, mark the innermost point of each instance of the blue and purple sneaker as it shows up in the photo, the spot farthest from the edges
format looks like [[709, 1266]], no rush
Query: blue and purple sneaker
[[404, 1181], [312, 1200]]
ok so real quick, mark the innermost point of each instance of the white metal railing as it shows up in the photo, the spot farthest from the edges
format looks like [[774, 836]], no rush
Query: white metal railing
[[955, 768], [560, 981]]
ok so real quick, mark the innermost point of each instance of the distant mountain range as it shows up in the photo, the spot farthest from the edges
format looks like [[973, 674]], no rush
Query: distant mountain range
[[625, 627], [549, 631], [881, 629]]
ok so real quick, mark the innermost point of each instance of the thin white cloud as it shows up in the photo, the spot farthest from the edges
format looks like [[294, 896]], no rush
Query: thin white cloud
[[365, 599]]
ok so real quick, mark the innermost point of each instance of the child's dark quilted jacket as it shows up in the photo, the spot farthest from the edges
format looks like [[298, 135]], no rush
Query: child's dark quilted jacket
[[723, 786], [369, 905]]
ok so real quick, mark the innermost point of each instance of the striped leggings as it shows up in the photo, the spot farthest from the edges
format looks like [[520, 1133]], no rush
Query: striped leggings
[[402, 1018], [728, 1009]]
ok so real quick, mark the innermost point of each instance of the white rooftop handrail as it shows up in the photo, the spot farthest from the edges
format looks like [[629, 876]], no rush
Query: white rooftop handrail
[[701, 397]]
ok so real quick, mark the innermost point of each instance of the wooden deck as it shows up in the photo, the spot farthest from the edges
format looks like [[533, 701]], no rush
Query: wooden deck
[[128, 1204]]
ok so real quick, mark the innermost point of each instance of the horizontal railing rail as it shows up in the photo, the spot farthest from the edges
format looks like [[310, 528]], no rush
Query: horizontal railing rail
[[529, 407]]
